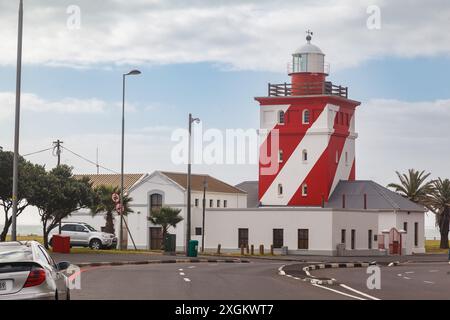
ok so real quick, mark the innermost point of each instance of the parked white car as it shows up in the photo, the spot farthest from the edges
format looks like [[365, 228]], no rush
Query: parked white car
[[83, 235]]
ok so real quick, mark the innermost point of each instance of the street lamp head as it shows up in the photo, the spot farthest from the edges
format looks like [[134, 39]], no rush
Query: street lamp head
[[134, 72], [196, 120]]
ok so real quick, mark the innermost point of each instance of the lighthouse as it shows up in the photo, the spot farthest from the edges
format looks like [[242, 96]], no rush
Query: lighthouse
[[313, 122]]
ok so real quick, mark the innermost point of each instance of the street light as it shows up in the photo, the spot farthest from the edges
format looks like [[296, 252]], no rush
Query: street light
[[17, 125], [188, 233], [205, 186], [131, 73]]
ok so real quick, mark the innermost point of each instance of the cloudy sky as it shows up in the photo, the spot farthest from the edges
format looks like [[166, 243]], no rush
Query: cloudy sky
[[211, 57]]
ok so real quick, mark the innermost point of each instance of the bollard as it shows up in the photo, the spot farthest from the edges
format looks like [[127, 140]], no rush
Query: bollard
[[242, 250], [247, 249], [271, 249], [218, 248], [261, 249], [252, 250]]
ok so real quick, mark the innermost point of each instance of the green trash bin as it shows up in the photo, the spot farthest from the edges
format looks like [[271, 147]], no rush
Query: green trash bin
[[193, 248], [170, 243]]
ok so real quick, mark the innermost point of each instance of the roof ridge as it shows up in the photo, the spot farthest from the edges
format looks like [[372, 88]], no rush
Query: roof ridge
[[380, 189]]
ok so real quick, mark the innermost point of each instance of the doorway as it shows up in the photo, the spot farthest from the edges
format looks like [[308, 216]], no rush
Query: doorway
[[156, 238]]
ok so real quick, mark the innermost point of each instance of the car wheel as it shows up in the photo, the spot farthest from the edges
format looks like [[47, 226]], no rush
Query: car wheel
[[95, 244]]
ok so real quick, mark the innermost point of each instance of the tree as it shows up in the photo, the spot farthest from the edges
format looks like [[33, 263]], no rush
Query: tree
[[439, 204], [58, 195], [29, 175], [414, 186], [104, 204], [165, 217]]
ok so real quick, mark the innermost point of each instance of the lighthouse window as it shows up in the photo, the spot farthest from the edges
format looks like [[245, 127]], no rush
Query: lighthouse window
[[305, 155], [280, 189], [305, 190], [280, 155], [306, 116], [281, 117]]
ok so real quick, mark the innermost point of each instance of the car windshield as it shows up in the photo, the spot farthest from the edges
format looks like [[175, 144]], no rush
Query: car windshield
[[14, 253], [89, 227]]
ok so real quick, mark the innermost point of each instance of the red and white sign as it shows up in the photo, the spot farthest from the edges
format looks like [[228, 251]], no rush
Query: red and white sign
[[115, 198]]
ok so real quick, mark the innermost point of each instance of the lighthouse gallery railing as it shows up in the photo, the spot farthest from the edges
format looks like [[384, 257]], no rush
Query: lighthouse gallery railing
[[287, 89]]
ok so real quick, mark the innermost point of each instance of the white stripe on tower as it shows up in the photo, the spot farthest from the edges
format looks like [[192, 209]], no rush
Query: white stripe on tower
[[293, 173], [344, 167]]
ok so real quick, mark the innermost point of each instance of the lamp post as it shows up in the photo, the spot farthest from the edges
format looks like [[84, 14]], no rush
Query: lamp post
[[131, 73], [17, 125], [205, 186], [188, 231]]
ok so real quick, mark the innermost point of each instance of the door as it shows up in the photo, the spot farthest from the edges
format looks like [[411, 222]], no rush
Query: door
[[156, 238], [81, 235], [242, 238]]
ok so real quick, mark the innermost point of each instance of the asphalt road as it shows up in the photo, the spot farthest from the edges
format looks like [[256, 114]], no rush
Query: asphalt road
[[429, 281], [199, 281]]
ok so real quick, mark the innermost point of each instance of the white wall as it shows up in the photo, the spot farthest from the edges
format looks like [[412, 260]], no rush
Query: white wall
[[408, 238]]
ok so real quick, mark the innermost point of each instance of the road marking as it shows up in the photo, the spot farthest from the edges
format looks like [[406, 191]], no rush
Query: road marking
[[399, 274], [187, 279], [428, 282], [434, 270], [180, 269], [339, 292], [191, 267], [406, 278], [181, 273], [359, 292], [281, 271], [409, 272]]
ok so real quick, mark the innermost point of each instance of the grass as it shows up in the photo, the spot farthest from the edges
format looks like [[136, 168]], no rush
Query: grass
[[432, 246]]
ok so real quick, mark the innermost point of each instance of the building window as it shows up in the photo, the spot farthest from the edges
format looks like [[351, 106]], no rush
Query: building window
[[218, 203], [370, 239], [304, 190], [225, 203], [405, 226], [343, 236], [280, 189], [281, 117], [242, 237], [303, 239], [198, 231], [416, 234], [280, 155], [210, 203], [277, 238], [196, 202], [155, 202], [306, 116], [304, 155], [353, 239]]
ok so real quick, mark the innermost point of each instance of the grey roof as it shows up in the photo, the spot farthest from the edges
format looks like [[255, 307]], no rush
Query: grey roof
[[308, 48], [378, 197], [251, 187]]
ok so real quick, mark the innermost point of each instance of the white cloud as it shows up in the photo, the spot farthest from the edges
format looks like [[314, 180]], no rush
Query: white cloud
[[33, 102], [254, 34]]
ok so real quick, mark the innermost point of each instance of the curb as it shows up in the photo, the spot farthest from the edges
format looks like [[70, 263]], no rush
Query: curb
[[313, 280], [141, 262]]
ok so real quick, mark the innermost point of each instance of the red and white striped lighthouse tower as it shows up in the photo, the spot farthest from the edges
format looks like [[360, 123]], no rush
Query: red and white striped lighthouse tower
[[315, 123]]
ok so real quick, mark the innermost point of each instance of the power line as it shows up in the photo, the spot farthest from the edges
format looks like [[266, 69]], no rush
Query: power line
[[32, 153], [90, 161]]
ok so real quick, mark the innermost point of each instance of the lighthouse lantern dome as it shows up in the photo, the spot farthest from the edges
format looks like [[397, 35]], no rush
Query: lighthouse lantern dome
[[308, 58]]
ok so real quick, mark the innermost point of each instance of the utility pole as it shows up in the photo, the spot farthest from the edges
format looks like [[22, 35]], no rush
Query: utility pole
[[17, 125], [188, 231], [205, 186], [96, 163], [57, 149]]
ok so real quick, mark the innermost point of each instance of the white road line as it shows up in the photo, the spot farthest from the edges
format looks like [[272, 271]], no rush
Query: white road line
[[399, 274], [409, 272], [428, 282], [434, 270], [187, 279], [181, 273], [359, 292], [191, 267], [339, 292], [180, 269], [406, 278], [281, 271]]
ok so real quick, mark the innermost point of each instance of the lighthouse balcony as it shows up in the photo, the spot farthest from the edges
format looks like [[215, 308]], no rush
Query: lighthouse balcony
[[306, 89]]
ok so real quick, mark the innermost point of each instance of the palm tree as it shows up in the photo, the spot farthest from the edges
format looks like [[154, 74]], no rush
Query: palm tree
[[165, 217], [414, 186], [439, 204], [105, 205]]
